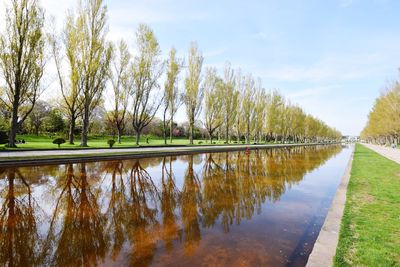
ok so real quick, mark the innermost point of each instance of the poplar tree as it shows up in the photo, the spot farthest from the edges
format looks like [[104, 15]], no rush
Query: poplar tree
[[229, 101], [22, 61], [146, 71], [93, 54], [248, 105], [193, 90], [172, 97], [119, 76], [213, 96], [68, 79]]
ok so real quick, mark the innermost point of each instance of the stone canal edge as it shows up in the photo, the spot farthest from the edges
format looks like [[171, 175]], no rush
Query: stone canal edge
[[44, 157], [325, 247]]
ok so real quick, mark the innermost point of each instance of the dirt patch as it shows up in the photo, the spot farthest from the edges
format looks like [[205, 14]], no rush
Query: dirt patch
[[368, 198]]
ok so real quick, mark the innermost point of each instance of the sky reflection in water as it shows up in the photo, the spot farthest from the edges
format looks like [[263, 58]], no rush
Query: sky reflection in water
[[263, 208]]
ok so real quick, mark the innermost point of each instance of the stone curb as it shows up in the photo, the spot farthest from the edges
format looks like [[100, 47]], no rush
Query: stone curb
[[325, 247]]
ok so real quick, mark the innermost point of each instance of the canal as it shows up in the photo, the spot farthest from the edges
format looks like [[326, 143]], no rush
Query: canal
[[244, 208]]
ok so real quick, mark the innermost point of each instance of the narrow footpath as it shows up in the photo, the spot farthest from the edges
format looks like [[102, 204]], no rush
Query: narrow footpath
[[388, 152]]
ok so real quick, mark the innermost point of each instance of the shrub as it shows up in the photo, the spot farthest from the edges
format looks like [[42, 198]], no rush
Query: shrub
[[3, 137], [225, 142], [243, 142], [111, 143], [200, 142], [59, 141], [213, 143], [235, 142]]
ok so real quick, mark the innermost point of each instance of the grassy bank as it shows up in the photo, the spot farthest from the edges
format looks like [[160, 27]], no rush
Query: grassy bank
[[45, 142], [370, 230]]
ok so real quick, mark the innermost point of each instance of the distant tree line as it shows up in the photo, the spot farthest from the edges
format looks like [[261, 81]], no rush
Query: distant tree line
[[233, 106]]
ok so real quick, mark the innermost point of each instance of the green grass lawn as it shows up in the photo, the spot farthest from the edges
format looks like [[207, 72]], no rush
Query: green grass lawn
[[370, 230], [45, 142]]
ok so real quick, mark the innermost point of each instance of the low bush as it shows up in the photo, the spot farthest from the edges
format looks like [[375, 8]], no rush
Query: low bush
[[111, 143], [59, 141], [200, 142]]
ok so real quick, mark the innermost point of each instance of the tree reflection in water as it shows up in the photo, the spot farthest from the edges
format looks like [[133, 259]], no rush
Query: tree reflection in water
[[116, 211], [132, 215], [170, 198], [20, 242], [191, 199], [81, 239]]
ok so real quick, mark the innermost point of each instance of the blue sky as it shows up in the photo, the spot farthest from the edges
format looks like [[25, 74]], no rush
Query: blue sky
[[332, 57]]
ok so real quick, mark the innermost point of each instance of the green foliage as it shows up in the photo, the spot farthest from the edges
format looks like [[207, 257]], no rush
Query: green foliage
[[22, 60], [111, 143], [369, 234], [3, 137], [200, 142], [54, 122], [59, 141], [383, 123], [3, 125]]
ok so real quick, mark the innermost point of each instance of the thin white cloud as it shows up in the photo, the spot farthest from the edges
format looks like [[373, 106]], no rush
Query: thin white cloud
[[347, 3], [313, 91], [152, 11], [332, 69], [214, 53]]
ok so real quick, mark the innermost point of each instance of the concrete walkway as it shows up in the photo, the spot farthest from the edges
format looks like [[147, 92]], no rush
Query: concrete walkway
[[19, 155], [388, 152], [325, 247]]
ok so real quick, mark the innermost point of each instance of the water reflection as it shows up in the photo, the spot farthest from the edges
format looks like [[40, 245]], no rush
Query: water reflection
[[136, 212], [19, 239]]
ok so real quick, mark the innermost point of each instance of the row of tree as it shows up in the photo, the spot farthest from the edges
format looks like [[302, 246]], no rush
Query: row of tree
[[383, 125], [86, 64], [240, 106]]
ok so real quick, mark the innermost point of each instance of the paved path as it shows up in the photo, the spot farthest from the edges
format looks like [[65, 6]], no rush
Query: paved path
[[388, 152], [139, 150]]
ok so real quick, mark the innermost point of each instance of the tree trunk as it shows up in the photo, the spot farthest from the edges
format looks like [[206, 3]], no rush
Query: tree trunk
[[85, 127], [137, 137], [71, 130], [119, 132], [171, 126], [37, 130], [248, 133], [210, 137], [191, 131], [227, 132], [165, 129], [14, 123]]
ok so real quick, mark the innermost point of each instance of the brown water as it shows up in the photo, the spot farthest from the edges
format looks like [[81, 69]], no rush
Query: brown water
[[263, 208]]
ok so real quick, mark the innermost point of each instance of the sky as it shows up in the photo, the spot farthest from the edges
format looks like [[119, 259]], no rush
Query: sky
[[331, 57]]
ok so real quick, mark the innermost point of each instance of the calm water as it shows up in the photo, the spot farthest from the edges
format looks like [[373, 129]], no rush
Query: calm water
[[263, 208]]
